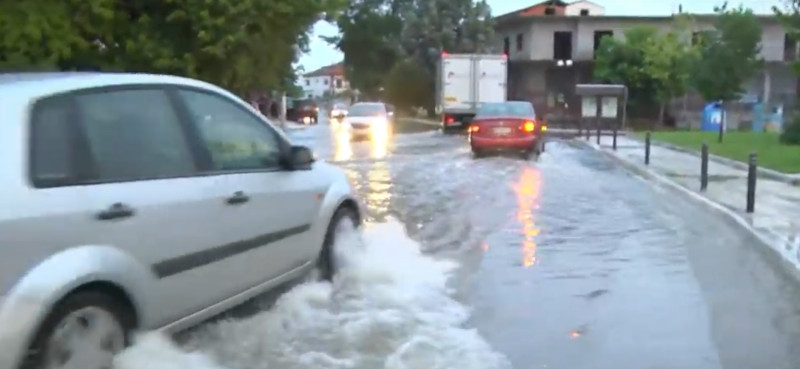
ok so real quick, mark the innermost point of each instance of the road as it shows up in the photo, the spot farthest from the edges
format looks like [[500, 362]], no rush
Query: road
[[562, 262]]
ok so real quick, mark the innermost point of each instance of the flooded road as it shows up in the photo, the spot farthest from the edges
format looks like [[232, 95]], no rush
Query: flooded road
[[562, 262]]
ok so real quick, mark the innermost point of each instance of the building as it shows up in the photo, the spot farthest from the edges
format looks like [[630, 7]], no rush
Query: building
[[326, 81], [551, 47]]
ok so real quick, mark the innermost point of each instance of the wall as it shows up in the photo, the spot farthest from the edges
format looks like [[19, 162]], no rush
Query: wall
[[576, 7], [316, 86], [538, 34]]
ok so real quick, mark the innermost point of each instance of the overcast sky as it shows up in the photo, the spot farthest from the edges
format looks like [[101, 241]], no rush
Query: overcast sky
[[322, 53]]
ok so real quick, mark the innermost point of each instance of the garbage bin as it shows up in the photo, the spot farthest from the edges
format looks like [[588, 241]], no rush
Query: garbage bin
[[712, 117]]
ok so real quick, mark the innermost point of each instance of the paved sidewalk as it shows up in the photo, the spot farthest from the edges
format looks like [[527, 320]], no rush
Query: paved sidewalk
[[777, 205]]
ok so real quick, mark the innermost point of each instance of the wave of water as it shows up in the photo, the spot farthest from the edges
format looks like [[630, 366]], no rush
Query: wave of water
[[389, 307]]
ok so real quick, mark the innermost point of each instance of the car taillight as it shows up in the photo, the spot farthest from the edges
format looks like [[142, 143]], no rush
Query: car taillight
[[528, 126], [449, 120], [473, 128]]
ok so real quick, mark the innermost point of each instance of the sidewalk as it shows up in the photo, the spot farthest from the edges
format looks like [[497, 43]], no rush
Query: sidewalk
[[775, 219]]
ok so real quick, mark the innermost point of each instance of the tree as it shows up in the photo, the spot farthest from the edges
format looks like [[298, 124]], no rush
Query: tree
[[370, 36], [407, 86], [242, 45], [456, 26], [377, 34], [629, 62], [728, 56], [668, 60]]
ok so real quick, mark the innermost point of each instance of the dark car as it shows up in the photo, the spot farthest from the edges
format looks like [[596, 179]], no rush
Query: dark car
[[302, 111], [510, 126]]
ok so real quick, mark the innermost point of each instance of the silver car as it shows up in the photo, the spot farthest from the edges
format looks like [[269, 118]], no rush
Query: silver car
[[369, 120], [138, 202]]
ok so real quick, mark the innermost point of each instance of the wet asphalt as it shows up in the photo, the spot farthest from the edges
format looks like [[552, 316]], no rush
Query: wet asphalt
[[569, 261]]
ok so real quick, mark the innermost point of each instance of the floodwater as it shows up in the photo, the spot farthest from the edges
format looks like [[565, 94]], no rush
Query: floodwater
[[564, 261]]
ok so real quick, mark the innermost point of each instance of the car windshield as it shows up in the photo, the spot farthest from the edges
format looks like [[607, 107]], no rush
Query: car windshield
[[507, 109], [366, 110]]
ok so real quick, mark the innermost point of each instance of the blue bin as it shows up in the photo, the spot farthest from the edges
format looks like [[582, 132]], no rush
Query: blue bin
[[712, 117]]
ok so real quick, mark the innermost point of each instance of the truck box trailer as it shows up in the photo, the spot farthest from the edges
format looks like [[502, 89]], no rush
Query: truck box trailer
[[464, 82]]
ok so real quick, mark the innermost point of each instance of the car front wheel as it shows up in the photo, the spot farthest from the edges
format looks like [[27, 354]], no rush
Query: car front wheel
[[344, 221]]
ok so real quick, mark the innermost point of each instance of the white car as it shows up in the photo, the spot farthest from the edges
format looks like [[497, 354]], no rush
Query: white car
[[141, 202], [369, 120]]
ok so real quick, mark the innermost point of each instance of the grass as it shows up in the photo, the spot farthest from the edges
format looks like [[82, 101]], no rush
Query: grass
[[738, 145]]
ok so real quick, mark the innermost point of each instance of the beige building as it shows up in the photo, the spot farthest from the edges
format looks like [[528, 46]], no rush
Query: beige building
[[551, 49]]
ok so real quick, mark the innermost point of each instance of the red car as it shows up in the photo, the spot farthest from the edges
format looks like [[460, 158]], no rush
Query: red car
[[509, 126]]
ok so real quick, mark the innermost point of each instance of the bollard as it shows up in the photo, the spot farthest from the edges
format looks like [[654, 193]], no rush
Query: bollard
[[751, 182], [614, 139], [647, 149], [598, 134], [704, 167], [588, 133]]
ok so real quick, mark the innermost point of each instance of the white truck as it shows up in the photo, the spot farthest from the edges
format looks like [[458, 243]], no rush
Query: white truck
[[464, 81]]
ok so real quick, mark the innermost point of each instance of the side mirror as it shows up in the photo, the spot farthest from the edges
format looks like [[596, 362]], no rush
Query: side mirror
[[300, 158]]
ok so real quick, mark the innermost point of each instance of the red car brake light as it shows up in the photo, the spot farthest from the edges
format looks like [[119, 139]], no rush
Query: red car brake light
[[473, 128], [528, 126]]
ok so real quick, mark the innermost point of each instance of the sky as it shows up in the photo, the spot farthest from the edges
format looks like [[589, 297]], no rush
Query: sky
[[322, 54]]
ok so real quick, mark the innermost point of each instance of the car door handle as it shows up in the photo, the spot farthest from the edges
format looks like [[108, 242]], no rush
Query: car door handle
[[116, 211], [237, 198]]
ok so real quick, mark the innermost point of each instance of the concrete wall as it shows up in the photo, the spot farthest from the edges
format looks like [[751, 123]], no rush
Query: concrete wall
[[316, 86], [576, 7], [538, 34]]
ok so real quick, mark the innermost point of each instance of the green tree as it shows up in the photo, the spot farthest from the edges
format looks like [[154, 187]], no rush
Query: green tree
[[377, 34], [629, 62], [728, 56], [668, 60], [369, 39], [455, 26], [407, 86], [243, 45]]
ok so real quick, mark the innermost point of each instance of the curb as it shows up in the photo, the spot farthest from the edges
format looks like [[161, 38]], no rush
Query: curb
[[769, 250], [765, 172]]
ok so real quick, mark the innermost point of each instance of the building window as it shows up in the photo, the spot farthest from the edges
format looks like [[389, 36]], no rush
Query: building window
[[584, 12], [562, 45], [338, 83], [506, 45], [519, 41], [325, 81], [549, 10], [308, 82], [789, 48], [598, 38]]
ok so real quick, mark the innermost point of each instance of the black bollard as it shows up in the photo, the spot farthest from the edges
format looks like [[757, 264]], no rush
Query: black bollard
[[588, 133], [647, 149], [614, 139], [751, 182], [704, 167], [598, 134]]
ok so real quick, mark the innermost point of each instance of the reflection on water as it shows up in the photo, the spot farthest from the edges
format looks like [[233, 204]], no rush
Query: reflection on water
[[342, 147], [528, 188], [370, 178], [379, 189]]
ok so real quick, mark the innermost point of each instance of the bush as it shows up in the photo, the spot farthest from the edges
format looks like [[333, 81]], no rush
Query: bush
[[791, 130]]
